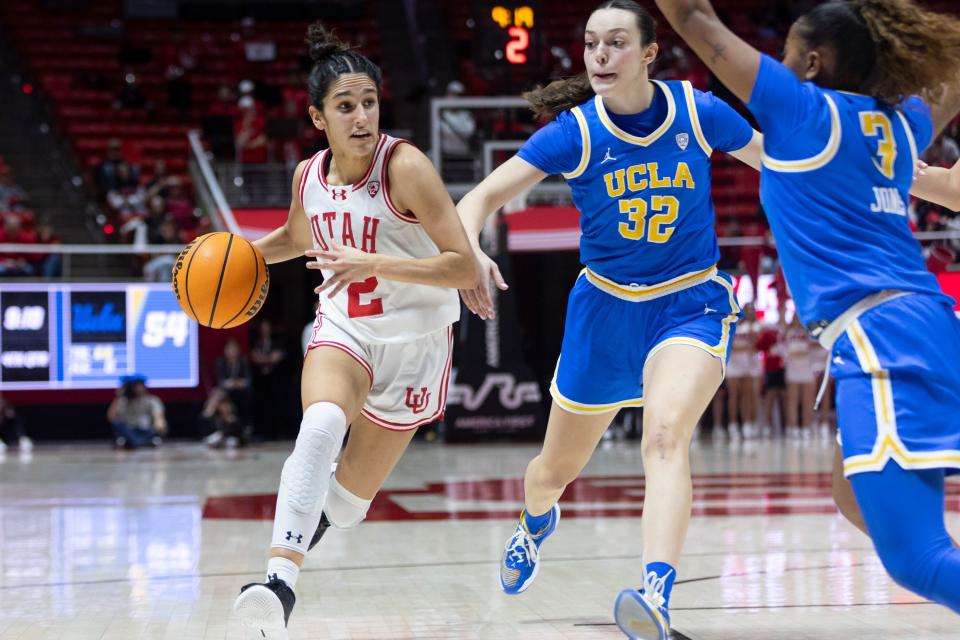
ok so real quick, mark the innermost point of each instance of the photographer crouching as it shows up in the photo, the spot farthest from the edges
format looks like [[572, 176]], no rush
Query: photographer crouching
[[137, 417]]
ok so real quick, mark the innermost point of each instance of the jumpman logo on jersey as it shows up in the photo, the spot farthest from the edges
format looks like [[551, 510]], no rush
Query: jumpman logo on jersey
[[707, 310], [607, 157], [339, 194], [838, 360]]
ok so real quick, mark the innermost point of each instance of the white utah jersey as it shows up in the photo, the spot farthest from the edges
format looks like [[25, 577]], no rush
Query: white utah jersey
[[361, 215]]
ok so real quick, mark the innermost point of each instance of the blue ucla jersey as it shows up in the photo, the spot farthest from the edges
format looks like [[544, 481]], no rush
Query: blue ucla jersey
[[646, 214], [837, 170]]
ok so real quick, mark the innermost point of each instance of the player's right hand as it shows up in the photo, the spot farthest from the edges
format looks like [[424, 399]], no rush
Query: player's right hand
[[479, 300]]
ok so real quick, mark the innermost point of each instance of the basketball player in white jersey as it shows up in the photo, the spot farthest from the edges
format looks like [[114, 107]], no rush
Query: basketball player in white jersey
[[388, 240], [799, 373], [744, 374]]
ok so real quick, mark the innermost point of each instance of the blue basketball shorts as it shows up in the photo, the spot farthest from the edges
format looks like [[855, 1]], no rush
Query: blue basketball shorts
[[897, 369], [612, 330]]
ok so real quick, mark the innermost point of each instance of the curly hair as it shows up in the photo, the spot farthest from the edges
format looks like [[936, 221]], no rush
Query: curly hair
[[332, 57], [560, 95], [888, 49]]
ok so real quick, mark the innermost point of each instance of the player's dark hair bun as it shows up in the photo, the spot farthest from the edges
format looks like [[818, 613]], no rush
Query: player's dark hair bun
[[323, 43], [332, 57]]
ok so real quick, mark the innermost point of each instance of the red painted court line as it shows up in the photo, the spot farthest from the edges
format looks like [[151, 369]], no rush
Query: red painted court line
[[722, 498]]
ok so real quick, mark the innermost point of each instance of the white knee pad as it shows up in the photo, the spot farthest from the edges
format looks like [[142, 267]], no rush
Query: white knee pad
[[344, 510], [306, 476], [306, 472]]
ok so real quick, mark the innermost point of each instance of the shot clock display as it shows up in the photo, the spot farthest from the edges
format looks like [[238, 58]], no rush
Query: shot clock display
[[80, 336], [509, 34]]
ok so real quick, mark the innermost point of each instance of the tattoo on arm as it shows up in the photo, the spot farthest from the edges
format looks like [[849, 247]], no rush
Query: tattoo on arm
[[718, 50]]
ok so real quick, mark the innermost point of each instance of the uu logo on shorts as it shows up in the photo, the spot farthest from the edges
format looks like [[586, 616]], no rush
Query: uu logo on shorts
[[373, 188], [418, 401], [683, 139]]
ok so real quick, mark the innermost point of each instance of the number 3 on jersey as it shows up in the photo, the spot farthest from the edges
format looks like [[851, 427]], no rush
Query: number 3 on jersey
[[356, 308], [876, 123], [637, 226]]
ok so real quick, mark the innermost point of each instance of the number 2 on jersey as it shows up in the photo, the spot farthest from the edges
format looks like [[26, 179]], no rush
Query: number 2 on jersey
[[358, 309], [876, 123]]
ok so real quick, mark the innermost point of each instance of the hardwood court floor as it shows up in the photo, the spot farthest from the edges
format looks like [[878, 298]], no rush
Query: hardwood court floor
[[155, 544]]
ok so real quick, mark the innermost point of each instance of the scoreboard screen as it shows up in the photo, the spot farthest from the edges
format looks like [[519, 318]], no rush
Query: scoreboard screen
[[86, 336]]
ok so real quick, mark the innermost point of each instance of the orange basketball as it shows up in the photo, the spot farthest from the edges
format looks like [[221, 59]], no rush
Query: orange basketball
[[221, 280]]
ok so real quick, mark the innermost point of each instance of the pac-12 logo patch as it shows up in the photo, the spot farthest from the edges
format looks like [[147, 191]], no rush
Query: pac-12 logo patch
[[373, 188], [683, 139]]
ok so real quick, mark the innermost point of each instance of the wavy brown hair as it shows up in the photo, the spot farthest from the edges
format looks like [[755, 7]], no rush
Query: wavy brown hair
[[560, 95], [888, 49]]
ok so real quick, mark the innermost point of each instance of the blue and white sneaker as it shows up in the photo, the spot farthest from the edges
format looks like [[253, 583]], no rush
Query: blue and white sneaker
[[641, 615], [521, 555]]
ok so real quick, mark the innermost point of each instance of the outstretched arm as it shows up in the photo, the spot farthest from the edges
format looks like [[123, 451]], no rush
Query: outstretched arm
[[732, 60], [506, 182], [938, 185]]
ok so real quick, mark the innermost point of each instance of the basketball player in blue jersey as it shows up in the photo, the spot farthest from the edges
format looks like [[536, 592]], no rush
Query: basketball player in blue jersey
[[864, 86], [650, 319]]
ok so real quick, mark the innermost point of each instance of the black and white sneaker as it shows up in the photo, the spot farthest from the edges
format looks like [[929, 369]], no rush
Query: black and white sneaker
[[265, 608], [321, 529]]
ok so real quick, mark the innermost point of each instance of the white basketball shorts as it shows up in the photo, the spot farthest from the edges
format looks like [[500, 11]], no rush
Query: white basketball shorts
[[408, 380]]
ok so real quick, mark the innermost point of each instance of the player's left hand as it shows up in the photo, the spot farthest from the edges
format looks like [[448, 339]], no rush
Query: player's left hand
[[348, 264]]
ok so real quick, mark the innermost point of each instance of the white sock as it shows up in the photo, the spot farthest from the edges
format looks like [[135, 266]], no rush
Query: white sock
[[285, 569]]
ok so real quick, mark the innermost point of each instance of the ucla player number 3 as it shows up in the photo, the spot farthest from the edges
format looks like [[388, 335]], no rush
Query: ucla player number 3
[[876, 123]]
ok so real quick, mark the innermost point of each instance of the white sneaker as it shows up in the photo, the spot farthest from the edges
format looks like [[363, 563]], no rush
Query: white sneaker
[[25, 444], [3, 447], [734, 431]]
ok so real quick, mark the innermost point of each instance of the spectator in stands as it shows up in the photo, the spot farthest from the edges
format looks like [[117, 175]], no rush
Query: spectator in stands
[[106, 173], [12, 433], [457, 126], [156, 213], [770, 343], [15, 264], [137, 417], [128, 198], [179, 204], [12, 196], [233, 377], [221, 422], [267, 356], [249, 132], [48, 265], [159, 267], [159, 183], [225, 103]]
